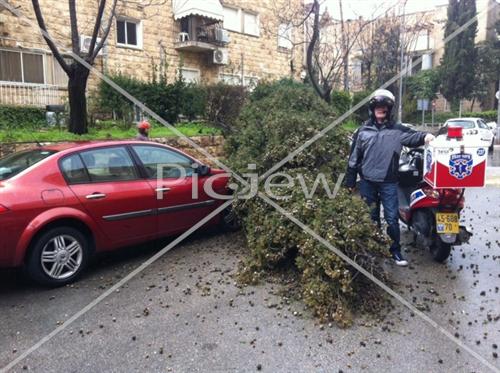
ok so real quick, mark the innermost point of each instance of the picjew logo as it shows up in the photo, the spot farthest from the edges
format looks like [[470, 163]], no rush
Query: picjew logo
[[461, 165], [481, 152]]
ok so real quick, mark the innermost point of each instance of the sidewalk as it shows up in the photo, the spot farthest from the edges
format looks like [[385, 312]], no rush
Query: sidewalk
[[493, 176]]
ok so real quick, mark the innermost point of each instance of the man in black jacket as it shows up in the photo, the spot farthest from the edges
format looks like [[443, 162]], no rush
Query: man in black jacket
[[375, 156]]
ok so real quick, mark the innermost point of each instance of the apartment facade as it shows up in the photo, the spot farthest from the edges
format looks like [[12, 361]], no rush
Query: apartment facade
[[233, 41], [423, 38]]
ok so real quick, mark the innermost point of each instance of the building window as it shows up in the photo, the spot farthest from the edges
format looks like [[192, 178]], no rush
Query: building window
[[129, 33], [22, 67], [232, 19], [190, 75], [251, 24], [285, 36], [241, 21], [235, 79]]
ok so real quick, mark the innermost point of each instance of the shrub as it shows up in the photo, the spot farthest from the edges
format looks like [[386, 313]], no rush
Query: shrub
[[265, 89], [341, 102], [223, 105], [361, 114], [269, 127], [12, 117], [194, 101], [487, 116], [167, 100]]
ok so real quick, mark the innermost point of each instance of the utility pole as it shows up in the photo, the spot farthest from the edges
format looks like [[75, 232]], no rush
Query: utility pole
[[401, 58], [498, 104]]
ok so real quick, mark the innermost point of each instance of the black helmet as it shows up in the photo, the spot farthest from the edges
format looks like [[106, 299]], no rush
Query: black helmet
[[381, 97]]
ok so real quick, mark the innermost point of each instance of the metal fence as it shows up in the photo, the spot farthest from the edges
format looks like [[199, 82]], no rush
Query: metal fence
[[31, 94]]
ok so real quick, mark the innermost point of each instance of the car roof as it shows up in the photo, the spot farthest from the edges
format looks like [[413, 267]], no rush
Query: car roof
[[468, 118], [67, 147]]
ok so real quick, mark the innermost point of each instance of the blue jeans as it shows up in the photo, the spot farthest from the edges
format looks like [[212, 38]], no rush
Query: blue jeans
[[387, 193]]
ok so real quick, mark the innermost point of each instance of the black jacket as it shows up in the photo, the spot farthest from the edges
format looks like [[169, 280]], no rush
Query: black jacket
[[375, 151]]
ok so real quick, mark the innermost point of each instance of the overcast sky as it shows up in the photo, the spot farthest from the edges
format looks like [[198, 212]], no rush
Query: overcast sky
[[366, 8]]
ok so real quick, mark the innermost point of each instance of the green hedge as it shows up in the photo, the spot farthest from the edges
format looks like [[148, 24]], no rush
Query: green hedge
[[167, 100], [219, 103], [276, 120], [21, 117], [487, 116]]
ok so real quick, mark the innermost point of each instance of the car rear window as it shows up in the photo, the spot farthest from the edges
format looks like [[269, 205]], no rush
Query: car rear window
[[462, 123], [15, 163]]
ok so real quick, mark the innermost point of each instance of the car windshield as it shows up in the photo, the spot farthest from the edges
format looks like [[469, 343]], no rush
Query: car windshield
[[15, 163], [461, 123]]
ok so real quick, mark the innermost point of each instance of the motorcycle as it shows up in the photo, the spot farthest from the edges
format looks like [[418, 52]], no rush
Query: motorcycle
[[433, 215]]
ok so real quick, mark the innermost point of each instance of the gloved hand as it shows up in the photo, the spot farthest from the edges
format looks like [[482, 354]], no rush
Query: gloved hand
[[429, 137]]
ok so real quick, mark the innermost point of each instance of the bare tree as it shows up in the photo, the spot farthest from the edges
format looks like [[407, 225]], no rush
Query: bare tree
[[77, 73], [379, 46], [330, 45]]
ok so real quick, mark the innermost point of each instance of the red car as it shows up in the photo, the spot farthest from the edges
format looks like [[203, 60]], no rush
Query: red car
[[61, 203]]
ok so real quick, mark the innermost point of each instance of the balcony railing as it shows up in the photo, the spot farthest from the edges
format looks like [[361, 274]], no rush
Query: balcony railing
[[38, 95], [204, 38]]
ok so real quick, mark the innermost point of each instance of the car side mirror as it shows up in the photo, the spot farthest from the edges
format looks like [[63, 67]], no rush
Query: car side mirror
[[203, 170]]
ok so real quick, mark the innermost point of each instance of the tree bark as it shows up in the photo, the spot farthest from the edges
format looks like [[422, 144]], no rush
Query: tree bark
[[345, 50], [310, 52], [77, 84]]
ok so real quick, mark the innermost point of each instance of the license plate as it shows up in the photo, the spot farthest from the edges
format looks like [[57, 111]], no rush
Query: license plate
[[447, 223]]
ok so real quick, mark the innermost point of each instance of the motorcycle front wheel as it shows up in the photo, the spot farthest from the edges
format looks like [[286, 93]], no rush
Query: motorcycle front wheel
[[440, 250]]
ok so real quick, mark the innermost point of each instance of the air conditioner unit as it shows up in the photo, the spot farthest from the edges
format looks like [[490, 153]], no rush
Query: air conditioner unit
[[85, 44], [221, 57], [222, 36], [3, 18]]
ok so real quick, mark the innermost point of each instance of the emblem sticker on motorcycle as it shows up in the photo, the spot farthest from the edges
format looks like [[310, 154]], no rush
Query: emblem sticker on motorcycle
[[481, 152], [461, 165], [417, 196]]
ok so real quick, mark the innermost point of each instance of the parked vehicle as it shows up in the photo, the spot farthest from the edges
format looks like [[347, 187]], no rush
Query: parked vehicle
[[472, 127], [60, 204], [492, 126], [433, 215]]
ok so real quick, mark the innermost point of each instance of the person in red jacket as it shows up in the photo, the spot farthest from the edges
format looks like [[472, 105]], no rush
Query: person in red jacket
[[143, 131]]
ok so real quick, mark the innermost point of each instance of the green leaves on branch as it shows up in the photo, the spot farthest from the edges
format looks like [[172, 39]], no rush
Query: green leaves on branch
[[278, 119]]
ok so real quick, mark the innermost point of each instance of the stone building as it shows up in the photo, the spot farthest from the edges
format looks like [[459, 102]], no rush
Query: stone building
[[423, 38], [234, 41]]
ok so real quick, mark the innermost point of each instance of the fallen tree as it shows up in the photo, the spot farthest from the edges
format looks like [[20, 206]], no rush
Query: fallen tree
[[278, 119]]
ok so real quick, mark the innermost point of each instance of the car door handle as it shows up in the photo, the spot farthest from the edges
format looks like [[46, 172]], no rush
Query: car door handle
[[162, 189], [96, 196]]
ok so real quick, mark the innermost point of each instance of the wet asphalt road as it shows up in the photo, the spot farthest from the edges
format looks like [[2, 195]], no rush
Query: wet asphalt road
[[186, 314]]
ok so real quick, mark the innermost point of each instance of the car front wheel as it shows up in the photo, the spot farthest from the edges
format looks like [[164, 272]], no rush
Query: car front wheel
[[58, 256]]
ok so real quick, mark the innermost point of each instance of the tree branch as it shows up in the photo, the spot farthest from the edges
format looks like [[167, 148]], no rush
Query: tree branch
[[75, 39], [310, 51], [97, 26], [48, 39], [105, 34]]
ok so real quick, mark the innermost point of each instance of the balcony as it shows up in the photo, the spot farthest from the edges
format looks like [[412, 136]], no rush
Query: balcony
[[202, 38], [199, 25]]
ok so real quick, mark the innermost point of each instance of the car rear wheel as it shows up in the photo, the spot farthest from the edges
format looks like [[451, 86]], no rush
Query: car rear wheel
[[58, 256]]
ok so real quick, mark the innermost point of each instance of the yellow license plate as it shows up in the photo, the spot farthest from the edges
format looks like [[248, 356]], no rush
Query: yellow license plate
[[447, 223]]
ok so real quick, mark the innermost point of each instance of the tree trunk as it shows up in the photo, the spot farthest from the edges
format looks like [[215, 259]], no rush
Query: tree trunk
[[472, 104], [310, 51], [77, 84]]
